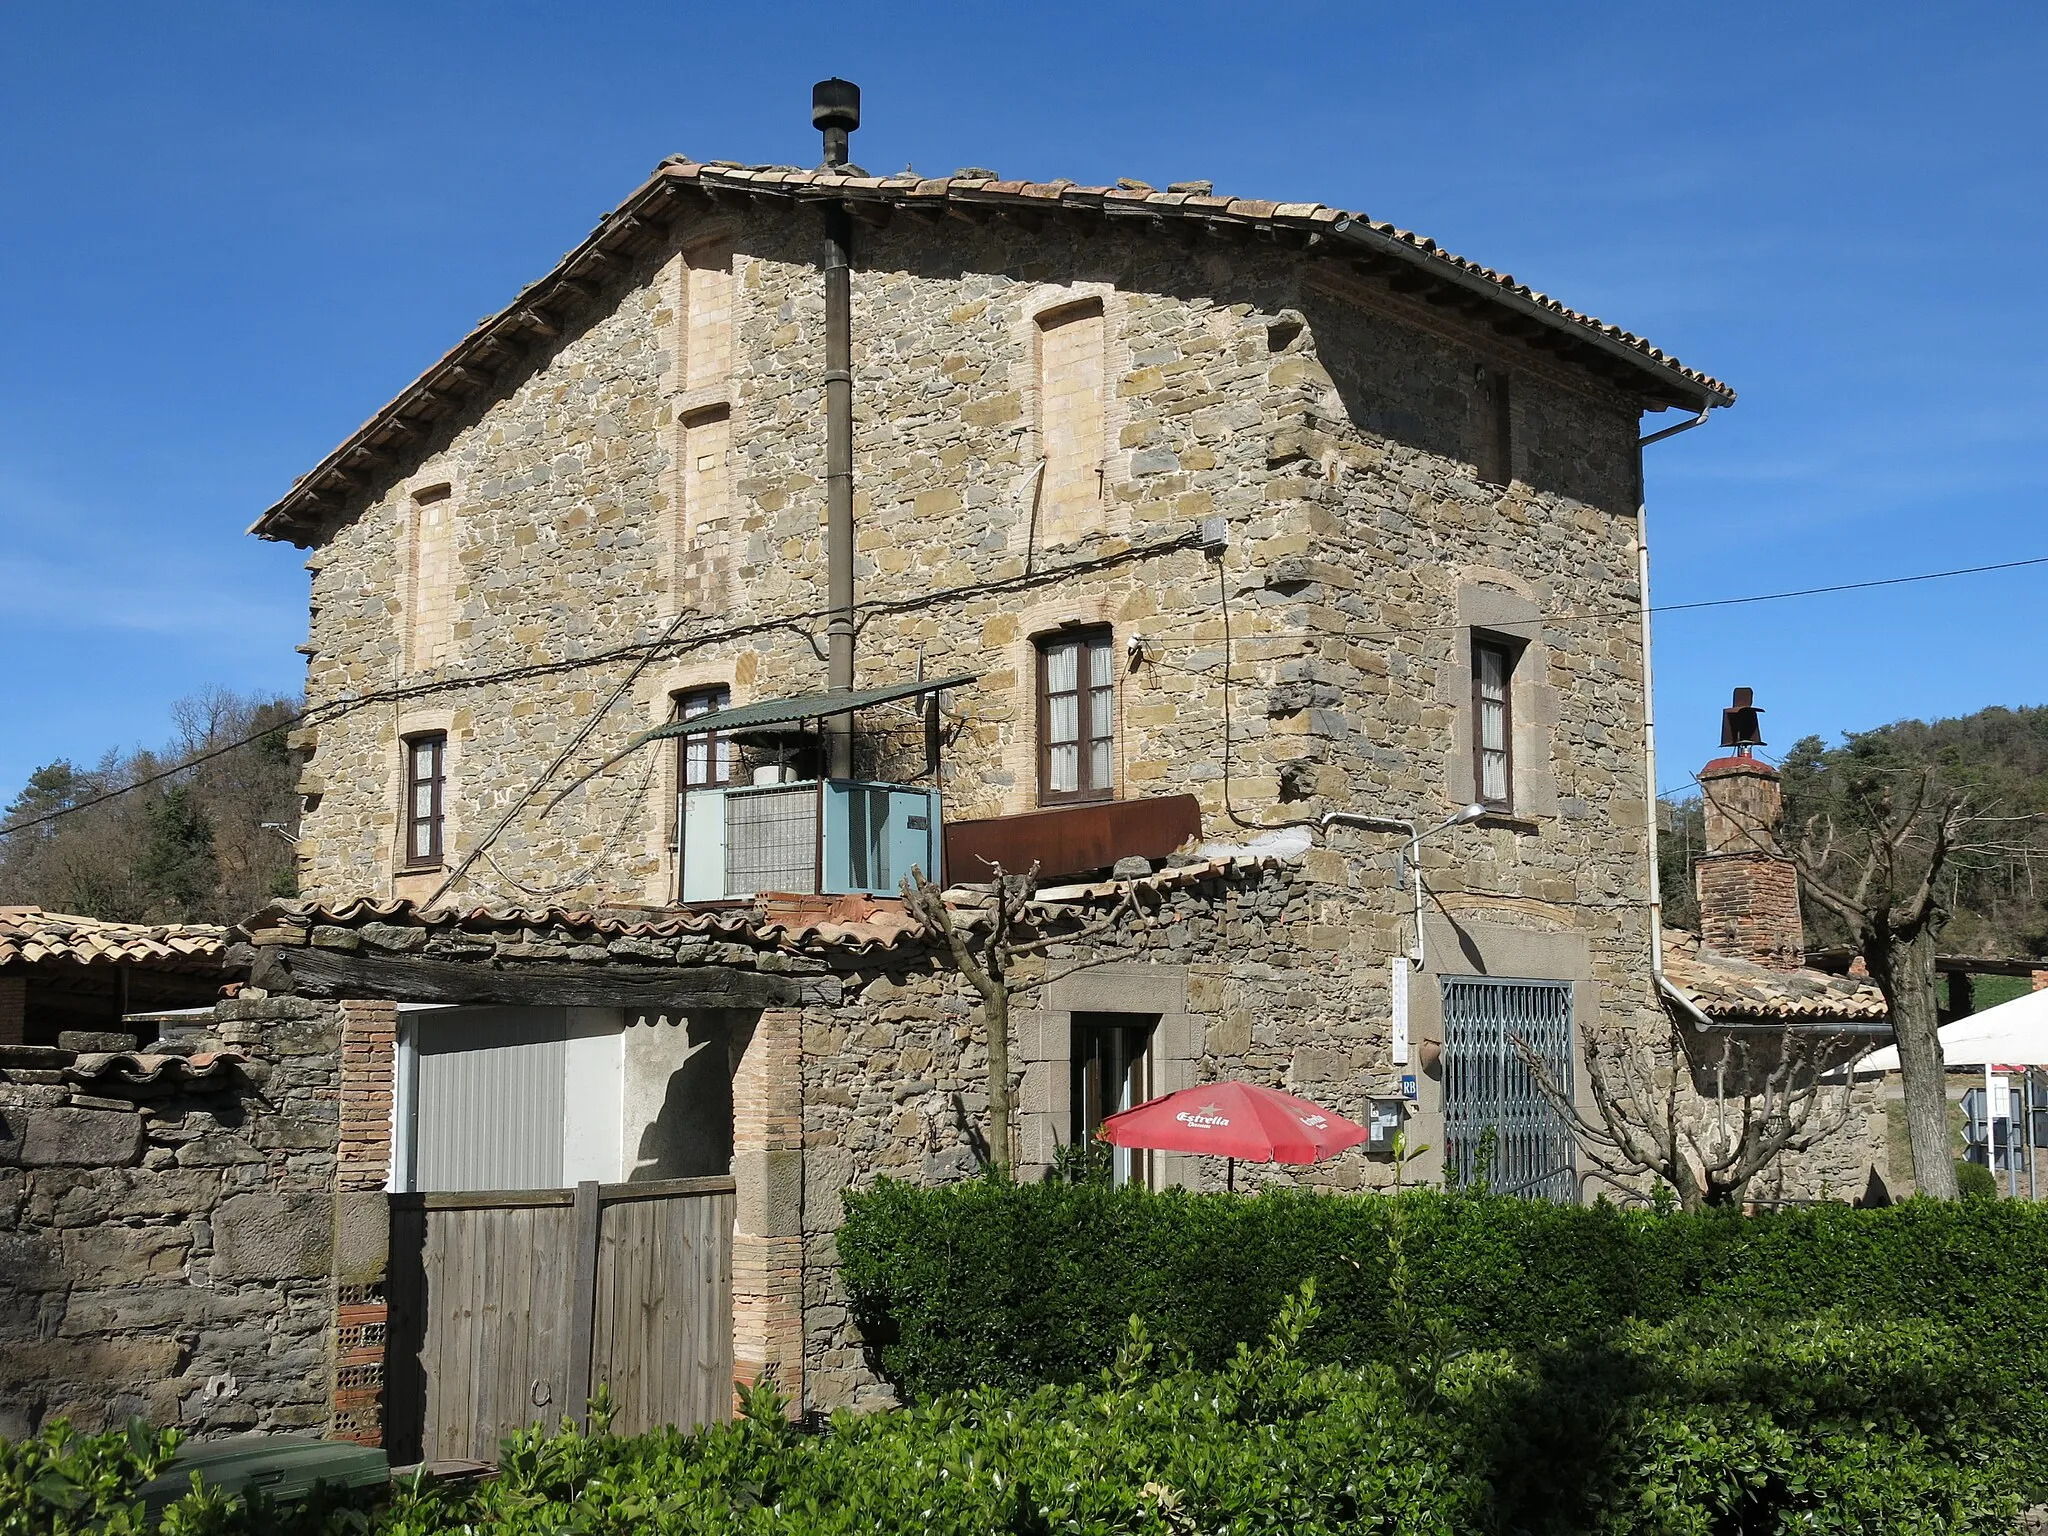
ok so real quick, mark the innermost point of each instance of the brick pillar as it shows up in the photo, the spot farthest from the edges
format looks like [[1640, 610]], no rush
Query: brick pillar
[[369, 1064], [13, 1010], [767, 1165], [2040, 981], [362, 1220], [1748, 889]]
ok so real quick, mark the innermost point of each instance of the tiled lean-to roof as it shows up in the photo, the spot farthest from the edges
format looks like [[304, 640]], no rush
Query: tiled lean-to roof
[[1408, 262], [31, 936], [1736, 991], [845, 926]]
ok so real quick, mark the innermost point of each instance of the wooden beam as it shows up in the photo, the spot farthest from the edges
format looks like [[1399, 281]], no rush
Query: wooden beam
[[328, 973], [874, 215]]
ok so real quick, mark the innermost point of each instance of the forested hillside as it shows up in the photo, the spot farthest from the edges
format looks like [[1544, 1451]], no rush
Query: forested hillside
[[1997, 882], [191, 847]]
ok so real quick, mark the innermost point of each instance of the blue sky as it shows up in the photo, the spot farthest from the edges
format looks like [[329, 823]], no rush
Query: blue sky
[[233, 231]]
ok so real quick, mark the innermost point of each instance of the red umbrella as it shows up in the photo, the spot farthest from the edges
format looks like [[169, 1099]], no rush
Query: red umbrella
[[1236, 1120]]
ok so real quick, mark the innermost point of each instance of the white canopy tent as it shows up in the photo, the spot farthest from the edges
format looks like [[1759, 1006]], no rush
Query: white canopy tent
[[2013, 1034]]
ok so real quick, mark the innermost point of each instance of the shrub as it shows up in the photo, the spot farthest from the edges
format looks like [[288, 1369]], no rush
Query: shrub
[[1019, 1285], [1667, 1431], [1975, 1182]]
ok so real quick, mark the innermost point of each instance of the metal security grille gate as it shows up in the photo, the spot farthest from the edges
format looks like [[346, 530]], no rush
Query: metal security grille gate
[[1488, 1087]]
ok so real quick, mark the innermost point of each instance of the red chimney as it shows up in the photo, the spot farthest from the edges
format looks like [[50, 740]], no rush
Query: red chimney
[[1748, 889]]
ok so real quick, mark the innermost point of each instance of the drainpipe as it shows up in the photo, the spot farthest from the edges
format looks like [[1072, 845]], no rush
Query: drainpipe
[[835, 109], [1663, 983]]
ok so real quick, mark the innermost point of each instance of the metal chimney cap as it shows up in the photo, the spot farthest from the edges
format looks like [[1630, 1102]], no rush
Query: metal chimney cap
[[835, 103], [1741, 727]]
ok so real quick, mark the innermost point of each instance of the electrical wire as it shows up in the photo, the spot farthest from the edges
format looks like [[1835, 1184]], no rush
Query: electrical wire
[[316, 714]]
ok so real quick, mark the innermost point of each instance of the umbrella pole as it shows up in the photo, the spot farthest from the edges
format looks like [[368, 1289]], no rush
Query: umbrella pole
[[1230, 1175]]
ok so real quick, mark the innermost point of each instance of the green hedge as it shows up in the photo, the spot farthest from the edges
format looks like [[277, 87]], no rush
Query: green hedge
[[1019, 1285], [1681, 1430]]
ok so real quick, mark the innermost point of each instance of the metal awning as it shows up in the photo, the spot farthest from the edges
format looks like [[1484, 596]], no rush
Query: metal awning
[[808, 706]]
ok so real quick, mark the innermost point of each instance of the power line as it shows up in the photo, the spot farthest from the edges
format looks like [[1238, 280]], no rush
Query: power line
[[646, 649], [1850, 586]]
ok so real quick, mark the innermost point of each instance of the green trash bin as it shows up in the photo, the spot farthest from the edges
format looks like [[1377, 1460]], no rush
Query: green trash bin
[[283, 1468]]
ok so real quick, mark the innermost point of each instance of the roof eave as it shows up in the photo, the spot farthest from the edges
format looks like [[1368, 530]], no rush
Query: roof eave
[[1685, 390], [297, 517]]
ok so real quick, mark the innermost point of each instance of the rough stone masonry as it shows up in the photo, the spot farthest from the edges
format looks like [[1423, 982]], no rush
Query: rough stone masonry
[[166, 1227]]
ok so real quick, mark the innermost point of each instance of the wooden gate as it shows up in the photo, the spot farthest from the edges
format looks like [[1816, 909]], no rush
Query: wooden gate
[[510, 1308]]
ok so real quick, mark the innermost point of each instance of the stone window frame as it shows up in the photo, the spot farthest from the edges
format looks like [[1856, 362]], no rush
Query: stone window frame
[[1045, 302], [1044, 1051], [1017, 753], [1499, 605]]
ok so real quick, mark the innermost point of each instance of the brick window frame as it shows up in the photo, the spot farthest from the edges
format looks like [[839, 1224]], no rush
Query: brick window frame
[[1094, 708], [425, 788]]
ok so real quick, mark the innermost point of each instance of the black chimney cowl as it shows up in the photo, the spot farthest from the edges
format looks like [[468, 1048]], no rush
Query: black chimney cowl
[[835, 103], [1740, 727]]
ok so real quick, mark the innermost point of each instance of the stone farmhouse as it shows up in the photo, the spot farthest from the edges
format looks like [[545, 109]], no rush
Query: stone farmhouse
[[1212, 515], [802, 528]]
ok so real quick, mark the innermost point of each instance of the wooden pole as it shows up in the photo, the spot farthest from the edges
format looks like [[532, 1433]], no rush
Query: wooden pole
[[583, 1302]]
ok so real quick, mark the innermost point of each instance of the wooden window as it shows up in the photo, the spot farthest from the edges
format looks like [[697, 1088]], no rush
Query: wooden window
[[703, 762], [426, 783], [1494, 459], [1493, 722], [1076, 717], [1109, 1073], [1070, 419]]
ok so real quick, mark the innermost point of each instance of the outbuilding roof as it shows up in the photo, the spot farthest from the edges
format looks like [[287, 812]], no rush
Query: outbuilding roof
[[1728, 990], [1411, 264], [815, 925], [31, 936]]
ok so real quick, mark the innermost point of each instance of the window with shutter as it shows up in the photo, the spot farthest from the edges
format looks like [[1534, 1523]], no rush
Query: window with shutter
[[1076, 717], [425, 788], [1493, 668]]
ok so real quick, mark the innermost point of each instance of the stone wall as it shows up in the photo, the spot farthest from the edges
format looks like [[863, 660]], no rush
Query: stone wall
[[164, 1243], [1331, 425]]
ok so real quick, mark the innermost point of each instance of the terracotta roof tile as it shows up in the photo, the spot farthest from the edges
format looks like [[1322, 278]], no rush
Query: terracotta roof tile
[[29, 936], [1737, 990], [810, 925], [148, 1070]]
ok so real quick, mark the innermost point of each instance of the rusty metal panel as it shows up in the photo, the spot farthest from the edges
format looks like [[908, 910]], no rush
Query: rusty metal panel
[[1072, 839]]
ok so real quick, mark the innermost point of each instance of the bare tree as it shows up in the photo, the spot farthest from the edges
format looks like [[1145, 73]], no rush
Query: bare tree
[[1706, 1128], [987, 945], [1880, 849]]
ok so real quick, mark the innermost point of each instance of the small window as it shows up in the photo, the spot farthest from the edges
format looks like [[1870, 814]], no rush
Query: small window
[[706, 761], [1076, 717], [425, 787], [1495, 458], [1493, 723], [1109, 1074]]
